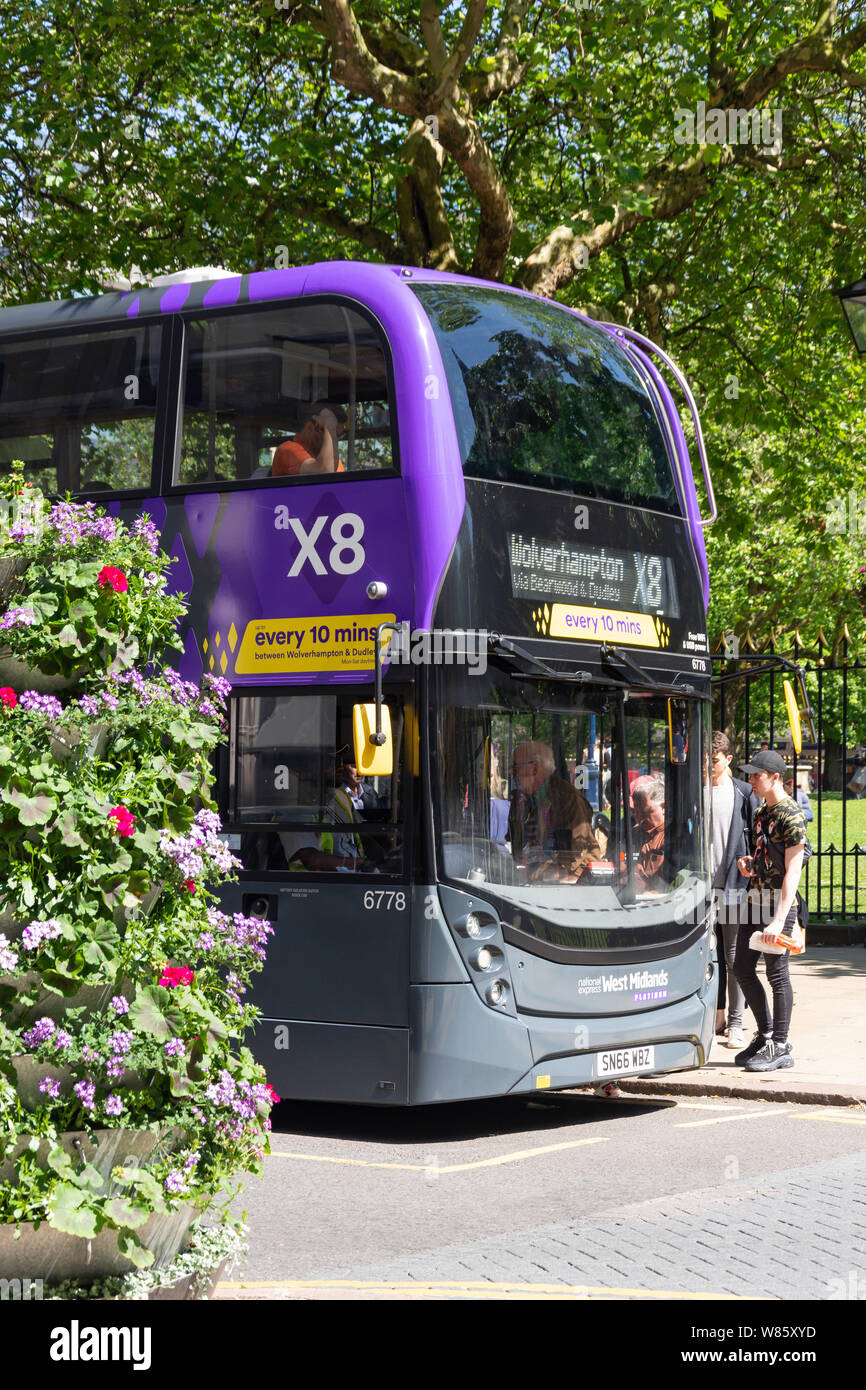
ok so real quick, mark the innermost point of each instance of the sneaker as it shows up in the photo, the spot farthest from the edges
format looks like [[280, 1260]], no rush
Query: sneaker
[[608, 1091], [754, 1046], [736, 1037], [771, 1056]]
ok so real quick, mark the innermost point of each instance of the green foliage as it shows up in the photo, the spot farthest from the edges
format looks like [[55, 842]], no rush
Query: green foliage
[[118, 974]]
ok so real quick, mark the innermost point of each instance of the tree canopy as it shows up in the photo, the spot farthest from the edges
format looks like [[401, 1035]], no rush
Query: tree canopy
[[696, 172]]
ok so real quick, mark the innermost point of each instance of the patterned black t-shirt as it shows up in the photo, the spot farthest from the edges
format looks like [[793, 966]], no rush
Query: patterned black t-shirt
[[782, 827]]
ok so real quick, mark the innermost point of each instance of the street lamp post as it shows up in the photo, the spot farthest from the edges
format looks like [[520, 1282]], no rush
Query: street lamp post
[[853, 301]]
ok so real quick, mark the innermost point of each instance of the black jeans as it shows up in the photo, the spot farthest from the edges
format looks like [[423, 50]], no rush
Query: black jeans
[[745, 969]]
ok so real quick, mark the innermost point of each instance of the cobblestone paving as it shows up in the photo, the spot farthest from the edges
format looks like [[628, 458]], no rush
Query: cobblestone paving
[[799, 1234]]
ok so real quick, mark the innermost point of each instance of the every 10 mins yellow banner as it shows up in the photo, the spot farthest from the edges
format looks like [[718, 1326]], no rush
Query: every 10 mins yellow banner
[[603, 625], [335, 642]]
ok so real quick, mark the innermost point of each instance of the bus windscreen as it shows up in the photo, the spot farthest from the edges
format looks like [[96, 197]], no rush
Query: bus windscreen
[[543, 397]]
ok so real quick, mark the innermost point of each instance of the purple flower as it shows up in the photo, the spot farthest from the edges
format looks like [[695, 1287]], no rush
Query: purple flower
[[62, 1039], [175, 1048], [114, 1069], [90, 1054], [50, 1088], [89, 705], [110, 701], [37, 932], [120, 1004], [85, 1090], [113, 1105], [17, 617], [41, 1031], [46, 705], [206, 941], [175, 1182], [145, 530], [120, 1043]]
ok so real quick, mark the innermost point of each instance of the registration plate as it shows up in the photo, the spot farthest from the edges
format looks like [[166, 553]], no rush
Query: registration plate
[[625, 1061]]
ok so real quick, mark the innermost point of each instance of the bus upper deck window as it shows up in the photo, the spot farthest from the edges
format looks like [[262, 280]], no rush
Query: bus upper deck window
[[79, 408], [283, 394]]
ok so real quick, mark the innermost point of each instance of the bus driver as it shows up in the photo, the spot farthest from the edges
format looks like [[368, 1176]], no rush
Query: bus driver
[[550, 822]]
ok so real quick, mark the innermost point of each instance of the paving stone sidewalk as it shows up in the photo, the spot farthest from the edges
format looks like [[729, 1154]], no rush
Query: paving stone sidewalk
[[801, 1233], [828, 1033]]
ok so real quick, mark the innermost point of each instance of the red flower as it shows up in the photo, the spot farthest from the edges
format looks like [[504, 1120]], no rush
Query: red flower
[[273, 1095], [8, 696], [124, 821], [110, 577], [175, 975], [189, 885]]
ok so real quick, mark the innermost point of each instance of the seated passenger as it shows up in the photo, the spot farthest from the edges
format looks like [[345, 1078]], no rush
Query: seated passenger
[[648, 798], [314, 448], [550, 823]]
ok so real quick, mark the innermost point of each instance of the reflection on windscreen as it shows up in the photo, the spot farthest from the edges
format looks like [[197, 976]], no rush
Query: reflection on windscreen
[[543, 801], [542, 396]]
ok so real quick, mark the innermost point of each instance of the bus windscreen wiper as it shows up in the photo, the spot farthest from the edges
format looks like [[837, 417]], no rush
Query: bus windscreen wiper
[[609, 654], [509, 652]]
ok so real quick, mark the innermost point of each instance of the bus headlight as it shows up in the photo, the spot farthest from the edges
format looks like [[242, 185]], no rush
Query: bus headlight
[[495, 992], [473, 925], [710, 970], [484, 958], [712, 940]]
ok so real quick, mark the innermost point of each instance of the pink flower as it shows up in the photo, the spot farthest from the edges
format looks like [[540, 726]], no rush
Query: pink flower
[[124, 821], [174, 975], [8, 696], [189, 885], [273, 1095], [114, 578]]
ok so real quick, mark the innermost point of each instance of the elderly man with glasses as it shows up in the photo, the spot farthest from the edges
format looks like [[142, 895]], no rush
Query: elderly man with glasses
[[550, 822]]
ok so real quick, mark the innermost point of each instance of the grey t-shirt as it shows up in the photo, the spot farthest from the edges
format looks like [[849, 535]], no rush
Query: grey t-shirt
[[723, 812]]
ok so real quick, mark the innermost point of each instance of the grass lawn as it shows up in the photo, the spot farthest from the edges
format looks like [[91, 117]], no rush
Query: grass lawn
[[831, 867]]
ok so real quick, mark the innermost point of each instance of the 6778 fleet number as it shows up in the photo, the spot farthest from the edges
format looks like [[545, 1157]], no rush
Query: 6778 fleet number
[[381, 897]]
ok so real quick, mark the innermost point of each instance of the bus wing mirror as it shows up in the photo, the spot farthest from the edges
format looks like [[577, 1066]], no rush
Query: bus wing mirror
[[372, 759]]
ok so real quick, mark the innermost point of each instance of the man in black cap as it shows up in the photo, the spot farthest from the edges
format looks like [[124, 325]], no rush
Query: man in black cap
[[779, 834]]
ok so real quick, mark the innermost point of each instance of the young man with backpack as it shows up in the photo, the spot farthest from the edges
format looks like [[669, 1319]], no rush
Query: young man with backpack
[[773, 870]]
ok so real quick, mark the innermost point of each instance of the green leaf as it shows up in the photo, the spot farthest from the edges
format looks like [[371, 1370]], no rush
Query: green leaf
[[129, 1245], [33, 807], [125, 1211], [147, 1011], [70, 1211], [59, 981]]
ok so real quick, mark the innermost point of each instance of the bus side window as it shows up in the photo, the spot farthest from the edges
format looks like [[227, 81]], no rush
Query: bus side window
[[282, 393], [79, 408]]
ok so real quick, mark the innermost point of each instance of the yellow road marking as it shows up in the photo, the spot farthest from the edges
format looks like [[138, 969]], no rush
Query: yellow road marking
[[473, 1289], [515, 1157]]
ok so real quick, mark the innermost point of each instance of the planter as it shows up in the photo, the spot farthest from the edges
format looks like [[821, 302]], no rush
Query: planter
[[113, 1148], [93, 741], [94, 998], [30, 1071], [47, 1254], [10, 570], [23, 677]]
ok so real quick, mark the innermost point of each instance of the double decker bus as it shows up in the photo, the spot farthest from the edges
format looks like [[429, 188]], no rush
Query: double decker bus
[[353, 463]]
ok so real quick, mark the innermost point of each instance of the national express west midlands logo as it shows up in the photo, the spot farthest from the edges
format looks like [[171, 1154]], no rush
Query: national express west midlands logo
[[647, 986]]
